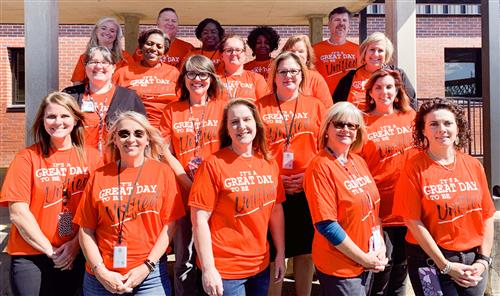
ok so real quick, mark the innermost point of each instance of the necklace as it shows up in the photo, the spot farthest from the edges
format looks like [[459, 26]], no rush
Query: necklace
[[444, 166]]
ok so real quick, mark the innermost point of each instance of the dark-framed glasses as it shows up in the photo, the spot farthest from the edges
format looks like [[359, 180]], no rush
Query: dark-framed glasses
[[191, 75], [292, 72]]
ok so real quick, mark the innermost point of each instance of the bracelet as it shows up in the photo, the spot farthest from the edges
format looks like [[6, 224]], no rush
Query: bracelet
[[483, 262], [446, 269], [150, 265], [97, 266]]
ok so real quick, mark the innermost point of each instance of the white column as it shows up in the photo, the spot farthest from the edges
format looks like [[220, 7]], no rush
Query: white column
[[41, 27], [400, 27]]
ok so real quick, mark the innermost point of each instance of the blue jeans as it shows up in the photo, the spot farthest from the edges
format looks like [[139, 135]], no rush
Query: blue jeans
[[156, 283], [256, 285], [355, 286], [418, 258]]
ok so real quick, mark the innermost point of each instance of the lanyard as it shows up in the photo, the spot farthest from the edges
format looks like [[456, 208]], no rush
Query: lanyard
[[122, 220], [288, 132], [100, 114], [367, 195], [197, 133]]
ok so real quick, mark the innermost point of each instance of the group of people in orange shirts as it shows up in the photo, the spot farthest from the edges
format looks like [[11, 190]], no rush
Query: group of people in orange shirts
[[317, 155]]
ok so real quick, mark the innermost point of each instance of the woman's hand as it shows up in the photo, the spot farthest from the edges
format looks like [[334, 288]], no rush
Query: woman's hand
[[293, 183], [136, 276], [375, 261], [112, 281], [279, 268], [212, 282], [464, 275], [65, 255]]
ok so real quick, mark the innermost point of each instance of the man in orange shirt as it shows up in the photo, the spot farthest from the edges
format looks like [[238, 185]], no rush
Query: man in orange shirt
[[336, 55], [168, 22]]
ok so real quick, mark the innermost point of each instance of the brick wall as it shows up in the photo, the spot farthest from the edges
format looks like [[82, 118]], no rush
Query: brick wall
[[433, 35]]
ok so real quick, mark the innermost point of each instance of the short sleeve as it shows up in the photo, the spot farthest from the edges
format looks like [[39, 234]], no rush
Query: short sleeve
[[79, 71], [260, 86], [205, 189], [172, 207], [321, 193], [19, 180], [86, 214], [407, 196], [166, 123]]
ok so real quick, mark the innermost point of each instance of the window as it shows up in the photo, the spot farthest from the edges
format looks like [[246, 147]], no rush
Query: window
[[16, 58], [463, 72]]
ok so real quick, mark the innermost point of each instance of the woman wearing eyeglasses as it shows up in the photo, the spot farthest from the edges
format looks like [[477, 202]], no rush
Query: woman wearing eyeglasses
[[128, 212], [315, 85], [191, 133], [238, 82], [344, 202], [100, 99], [292, 122]]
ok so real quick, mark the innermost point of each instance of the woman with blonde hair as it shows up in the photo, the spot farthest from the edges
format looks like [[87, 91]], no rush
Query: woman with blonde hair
[[344, 201], [107, 32], [375, 53], [314, 84], [42, 189], [128, 212]]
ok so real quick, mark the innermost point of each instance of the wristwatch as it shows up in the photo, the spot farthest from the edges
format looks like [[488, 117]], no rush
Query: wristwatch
[[489, 260]]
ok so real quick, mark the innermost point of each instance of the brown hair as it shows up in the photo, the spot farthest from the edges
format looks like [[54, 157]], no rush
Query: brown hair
[[198, 63], [259, 143], [311, 57], [403, 101], [464, 136], [277, 61], [40, 135]]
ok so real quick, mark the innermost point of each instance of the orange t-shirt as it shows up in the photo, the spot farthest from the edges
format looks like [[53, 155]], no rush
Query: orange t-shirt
[[452, 203], [79, 71], [39, 181], [178, 126], [389, 144], [154, 85], [241, 193], [304, 139], [214, 56], [333, 61], [259, 67], [92, 121], [357, 93], [175, 55], [248, 85], [315, 86], [347, 195], [155, 203]]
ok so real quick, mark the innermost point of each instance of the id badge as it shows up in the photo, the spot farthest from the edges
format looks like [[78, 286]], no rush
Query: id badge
[[120, 255], [88, 106], [287, 160], [65, 224], [430, 281], [376, 239], [193, 165]]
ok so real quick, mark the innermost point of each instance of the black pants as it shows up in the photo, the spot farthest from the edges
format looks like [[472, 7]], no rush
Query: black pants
[[418, 258], [36, 275], [392, 280]]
